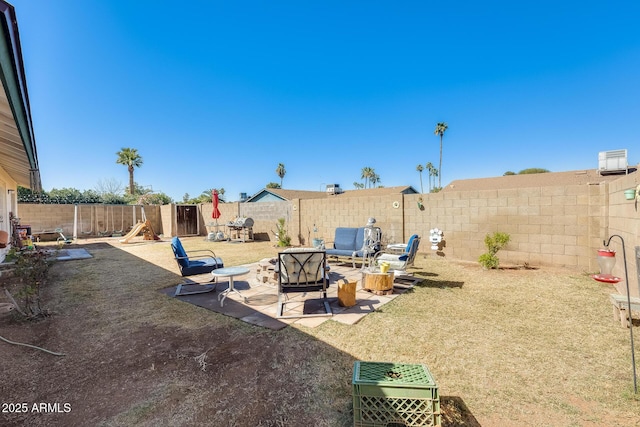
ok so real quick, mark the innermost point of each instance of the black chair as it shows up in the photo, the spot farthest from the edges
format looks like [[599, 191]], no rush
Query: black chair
[[302, 271], [194, 263]]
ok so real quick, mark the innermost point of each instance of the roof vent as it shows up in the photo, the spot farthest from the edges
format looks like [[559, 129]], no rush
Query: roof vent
[[612, 161]]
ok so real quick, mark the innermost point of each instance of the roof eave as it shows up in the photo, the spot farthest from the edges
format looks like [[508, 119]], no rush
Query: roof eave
[[15, 85]]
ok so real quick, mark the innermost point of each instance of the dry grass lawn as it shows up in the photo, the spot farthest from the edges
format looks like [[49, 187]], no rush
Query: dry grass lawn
[[507, 348]]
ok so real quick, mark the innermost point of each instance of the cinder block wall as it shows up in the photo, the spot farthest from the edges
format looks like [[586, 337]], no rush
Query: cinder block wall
[[549, 226], [624, 221], [92, 219]]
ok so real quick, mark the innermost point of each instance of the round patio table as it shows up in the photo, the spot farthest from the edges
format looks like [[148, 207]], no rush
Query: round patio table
[[229, 272]]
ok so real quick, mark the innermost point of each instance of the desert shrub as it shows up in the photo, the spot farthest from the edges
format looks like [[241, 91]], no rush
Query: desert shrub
[[31, 271], [494, 243], [284, 239]]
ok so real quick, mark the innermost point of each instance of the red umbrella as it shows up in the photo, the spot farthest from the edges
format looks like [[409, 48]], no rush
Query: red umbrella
[[216, 212]]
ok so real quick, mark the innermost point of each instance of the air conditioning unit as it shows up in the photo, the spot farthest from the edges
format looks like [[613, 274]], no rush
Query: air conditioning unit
[[334, 189], [612, 161]]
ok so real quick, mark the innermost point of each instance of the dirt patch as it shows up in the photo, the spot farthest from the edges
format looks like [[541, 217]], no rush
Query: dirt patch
[[209, 376], [500, 345]]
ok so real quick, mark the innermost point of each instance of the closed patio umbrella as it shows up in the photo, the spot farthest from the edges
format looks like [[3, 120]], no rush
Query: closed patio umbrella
[[215, 214], [216, 201]]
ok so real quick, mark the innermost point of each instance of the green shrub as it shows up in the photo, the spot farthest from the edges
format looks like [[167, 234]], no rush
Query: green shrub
[[283, 238], [494, 243]]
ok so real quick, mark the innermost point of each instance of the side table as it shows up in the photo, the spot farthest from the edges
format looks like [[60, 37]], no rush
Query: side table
[[229, 272], [377, 282]]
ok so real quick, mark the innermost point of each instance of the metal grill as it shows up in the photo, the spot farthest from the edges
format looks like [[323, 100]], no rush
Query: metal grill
[[242, 227]]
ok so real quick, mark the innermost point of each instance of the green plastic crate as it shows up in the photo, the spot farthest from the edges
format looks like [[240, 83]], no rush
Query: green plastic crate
[[394, 394]]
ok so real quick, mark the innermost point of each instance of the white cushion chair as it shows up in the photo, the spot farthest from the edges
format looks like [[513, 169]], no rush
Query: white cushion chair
[[302, 270]]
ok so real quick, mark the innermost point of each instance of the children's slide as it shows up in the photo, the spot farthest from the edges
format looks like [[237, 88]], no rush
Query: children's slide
[[137, 229]]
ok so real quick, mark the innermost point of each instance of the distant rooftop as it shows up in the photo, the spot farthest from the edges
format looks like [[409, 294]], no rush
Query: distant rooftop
[[579, 177], [274, 194]]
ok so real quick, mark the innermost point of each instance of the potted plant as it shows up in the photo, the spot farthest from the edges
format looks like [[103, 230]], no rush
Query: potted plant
[[630, 194]]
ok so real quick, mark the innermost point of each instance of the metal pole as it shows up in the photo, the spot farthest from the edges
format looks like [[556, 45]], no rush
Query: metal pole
[[626, 277], [75, 222]]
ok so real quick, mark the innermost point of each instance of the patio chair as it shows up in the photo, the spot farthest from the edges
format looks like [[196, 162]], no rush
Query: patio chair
[[400, 261], [194, 263], [302, 270]]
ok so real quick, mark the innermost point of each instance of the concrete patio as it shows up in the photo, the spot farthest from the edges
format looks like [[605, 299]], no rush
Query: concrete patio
[[258, 303]]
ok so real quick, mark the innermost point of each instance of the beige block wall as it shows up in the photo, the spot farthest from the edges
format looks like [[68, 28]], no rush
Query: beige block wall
[[624, 221], [549, 226], [92, 219]]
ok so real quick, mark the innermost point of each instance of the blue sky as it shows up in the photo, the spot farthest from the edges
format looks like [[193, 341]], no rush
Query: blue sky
[[217, 93]]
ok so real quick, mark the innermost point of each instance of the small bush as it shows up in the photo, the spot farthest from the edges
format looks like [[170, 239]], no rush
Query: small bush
[[493, 243], [283, 238], [31, 270]]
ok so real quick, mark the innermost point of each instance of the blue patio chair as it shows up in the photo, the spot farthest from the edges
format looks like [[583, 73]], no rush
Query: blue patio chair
[[194, 263], [400, 261]]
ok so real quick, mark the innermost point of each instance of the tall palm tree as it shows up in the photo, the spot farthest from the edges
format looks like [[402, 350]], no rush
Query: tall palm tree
[[419, 168], [131, 159], [429, 167], [434, 173], [367, 174], [281, 172], [441, 128]]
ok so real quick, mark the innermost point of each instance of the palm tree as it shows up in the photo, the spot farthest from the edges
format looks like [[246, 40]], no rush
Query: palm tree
[[374, 179], [441, 128], [419, 168], [281, 172], [367, 174], [435, 174], [429, 167], [131, 159]]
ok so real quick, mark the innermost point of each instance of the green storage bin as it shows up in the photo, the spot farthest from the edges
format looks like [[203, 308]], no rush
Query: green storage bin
[[394, 394]]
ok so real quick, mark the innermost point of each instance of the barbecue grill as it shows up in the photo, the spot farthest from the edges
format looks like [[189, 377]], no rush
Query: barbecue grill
[[243, 228]]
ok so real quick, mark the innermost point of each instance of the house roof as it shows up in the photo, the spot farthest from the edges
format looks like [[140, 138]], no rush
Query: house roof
[[18, 155], [272, 194], [380, 191], [578, 177]]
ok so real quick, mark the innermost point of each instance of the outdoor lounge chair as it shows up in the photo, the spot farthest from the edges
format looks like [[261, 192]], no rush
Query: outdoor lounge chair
[[400, 261], [302, 270], [349, 242], [195, 262]]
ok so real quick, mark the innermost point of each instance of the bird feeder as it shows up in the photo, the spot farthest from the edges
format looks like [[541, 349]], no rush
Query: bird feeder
[[606, 262]]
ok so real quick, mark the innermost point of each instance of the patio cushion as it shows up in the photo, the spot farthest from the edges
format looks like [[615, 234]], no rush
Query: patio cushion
[[345, 238], [305, 266], [359, 240], [179, 252], [201, 266], [341, 252]]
